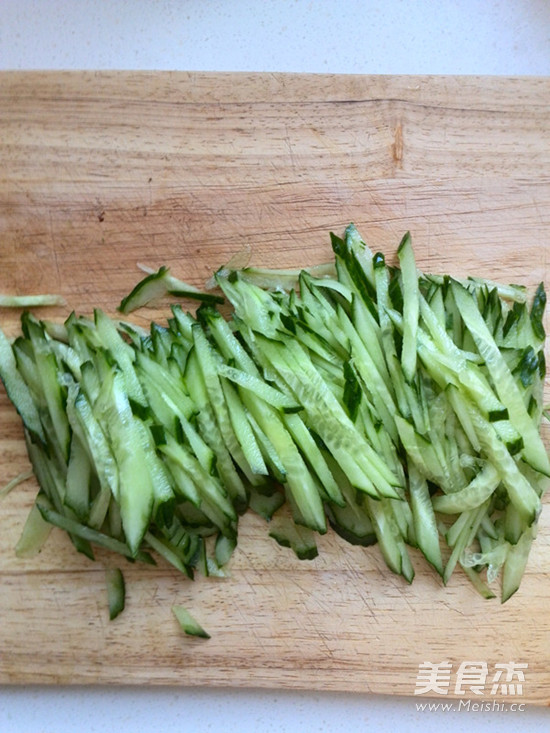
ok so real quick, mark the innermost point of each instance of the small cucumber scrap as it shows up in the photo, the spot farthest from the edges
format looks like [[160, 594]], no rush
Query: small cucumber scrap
[[188, 623], [116, 591], [30, 301]]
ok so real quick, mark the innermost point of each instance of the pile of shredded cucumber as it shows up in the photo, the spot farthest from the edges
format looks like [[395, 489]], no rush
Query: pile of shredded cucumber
[[396, 407]]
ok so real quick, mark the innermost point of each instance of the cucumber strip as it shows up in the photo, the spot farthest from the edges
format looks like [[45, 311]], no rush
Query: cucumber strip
[[357, 268], [243, 429], [93, 536], [527, 366], [362, 253], [411, 306], [164, 411], [26, 365], [357, 530], [66, 356], [492, 554], [407, 569], [453, 532], [298, 479], [79, 469], [56, 331], [480, 488], [136, 333], [206, 485], [287, 533], [208, 367], [121, 352], [310, 335], [205, 454], [182, 325], [160, 283], [136, 486], [351, 521], [461, 411], [469, 523], [515, 293], [352, 393], [184, 485], [522, 494], [30, 301], [318, 317], [258, 387], [509, 436], [213, 512], [277, 469], [516, 562], [163, 493], [188, 623], [381, 278], [335, 285], [441, 435], [441, 349], [225, 546], [513, 525], [211, 433], [356, 457], [228, 344], [14, 482], [48, 474], [506, 387], [161, 343], [387, 533], [47, 367], [537, 312], [539, 481], [312, 453], [17, 390], [252, 305], [172, 389], [382, 397], [437, 305], [165, 550], [326, 410], [99, 508], [91, 435], [265, 505], [274, 279], [208, 565], [479, 584], [36, 531], [421, 452], [278, 446], [116, 591], [379, 439], [82, 336], [94, 375], [425, 525]]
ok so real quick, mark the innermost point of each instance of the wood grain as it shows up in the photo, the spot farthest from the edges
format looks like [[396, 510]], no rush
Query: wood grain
[[100, 171]]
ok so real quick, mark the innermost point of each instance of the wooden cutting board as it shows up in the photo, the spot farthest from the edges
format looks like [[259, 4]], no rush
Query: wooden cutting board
[[99, 171]]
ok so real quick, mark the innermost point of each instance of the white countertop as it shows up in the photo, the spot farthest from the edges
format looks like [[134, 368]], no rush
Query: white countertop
[[505, 37], [355, 36]]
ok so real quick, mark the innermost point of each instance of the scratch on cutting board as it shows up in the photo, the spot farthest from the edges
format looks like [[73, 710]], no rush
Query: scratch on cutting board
[[290, 147], [397, 145]]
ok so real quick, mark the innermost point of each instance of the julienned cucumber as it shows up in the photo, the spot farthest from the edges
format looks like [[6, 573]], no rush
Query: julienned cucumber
[[397, 407]]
